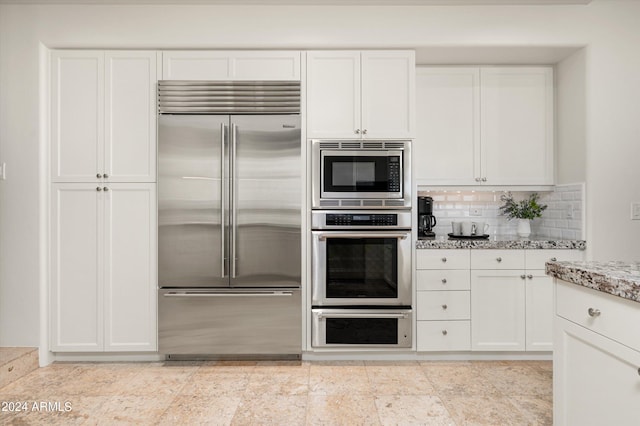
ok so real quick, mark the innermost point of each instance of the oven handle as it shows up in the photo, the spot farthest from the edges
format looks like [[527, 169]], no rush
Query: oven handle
[[356, 315], [229, 294], [402, 236]]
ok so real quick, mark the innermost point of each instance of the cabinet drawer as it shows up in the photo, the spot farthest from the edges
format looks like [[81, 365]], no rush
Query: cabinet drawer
[[497, 259], [535, 259], [443, 335], [618, 317], [445, 279], [442, 259], [443, 305]]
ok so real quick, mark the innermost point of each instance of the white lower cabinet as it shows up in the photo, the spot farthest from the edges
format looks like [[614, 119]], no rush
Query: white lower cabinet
[[443, 336], [103, 263], [596, 376]]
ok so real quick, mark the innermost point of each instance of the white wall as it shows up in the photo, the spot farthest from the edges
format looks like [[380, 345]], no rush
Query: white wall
[[612, 69]]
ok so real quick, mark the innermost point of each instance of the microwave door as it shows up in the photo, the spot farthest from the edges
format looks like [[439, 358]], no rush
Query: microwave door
[[192, 223]]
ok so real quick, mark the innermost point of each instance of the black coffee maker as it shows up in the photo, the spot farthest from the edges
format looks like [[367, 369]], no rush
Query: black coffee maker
[[426, 219]]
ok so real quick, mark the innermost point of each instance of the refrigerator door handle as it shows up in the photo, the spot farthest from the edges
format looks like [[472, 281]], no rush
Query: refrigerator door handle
[[223, 128], [234, 207]]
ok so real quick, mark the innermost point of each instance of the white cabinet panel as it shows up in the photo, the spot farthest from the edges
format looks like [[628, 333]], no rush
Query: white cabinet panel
[[442, 279], [388, 94], [442, 259], [77, 115], [443, 305], [443, 335], [76, 268], [130, 116], [539, 311], [333, 94], [230, 65], [536, 259], [517, 123], [353, 94], [130, 275], [497, 311], [447, 145], [497, 259], [595, 379]]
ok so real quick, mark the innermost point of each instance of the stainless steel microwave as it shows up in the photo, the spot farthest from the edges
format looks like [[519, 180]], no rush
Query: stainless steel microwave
[[361, 174]]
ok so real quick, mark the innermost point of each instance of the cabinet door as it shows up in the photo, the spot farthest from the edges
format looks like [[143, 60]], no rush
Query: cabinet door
[[130, 116], [130, 267], [196, 65], [388, 94], [497, 311], [517, 125], [76, 266], [77, 115], [539, 311], [595, 379], [447, 146], [333, 94]]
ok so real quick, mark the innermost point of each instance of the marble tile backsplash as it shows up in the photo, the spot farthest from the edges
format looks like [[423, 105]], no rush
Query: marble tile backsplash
[[563, 217]]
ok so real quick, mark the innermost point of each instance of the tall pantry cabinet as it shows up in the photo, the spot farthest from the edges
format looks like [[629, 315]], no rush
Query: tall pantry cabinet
[[103, 201]]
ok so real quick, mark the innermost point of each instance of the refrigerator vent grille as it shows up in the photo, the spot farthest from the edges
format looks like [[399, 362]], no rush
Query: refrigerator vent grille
[[228, 97]]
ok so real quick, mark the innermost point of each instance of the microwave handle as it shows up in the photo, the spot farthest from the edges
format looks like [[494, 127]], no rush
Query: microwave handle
[[402, 236], [361, 315]]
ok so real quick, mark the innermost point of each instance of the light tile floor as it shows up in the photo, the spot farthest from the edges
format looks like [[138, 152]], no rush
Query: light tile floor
[[285, 393]]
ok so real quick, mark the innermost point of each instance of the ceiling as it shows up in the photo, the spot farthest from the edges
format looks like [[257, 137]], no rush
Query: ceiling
[[312, 2]]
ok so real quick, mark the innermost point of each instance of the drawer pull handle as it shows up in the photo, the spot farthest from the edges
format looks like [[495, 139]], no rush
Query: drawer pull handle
[[444, 333], [593, 312], [444, 281], [553, 259], [444, 259], [499, 259], [444, 307]]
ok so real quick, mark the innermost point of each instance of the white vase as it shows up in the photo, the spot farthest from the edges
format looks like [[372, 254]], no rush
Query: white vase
[[524, 228]]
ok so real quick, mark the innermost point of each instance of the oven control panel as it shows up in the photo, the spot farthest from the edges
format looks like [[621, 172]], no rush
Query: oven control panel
[[350, 219]]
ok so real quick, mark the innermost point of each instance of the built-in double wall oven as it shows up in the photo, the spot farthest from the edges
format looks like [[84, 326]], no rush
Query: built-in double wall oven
[[361, 245]]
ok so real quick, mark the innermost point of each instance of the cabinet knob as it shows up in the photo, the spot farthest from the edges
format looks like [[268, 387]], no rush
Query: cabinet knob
[[98, 189], [99, 176], [593, 312], [523, 277], [530, 276], [444, 259], [639, 371], [484, 179], [106, 189], [444, 307], [357, 131], [444, 333], [498, 259], [364, 132], [106, 176], [444, 281], [553, 259], [478, 179]]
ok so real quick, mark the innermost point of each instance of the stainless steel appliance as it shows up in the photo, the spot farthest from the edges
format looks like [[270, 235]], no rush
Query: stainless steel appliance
[[361, 174], [426, 219], [361, 258], [357, 328], [229, 210]]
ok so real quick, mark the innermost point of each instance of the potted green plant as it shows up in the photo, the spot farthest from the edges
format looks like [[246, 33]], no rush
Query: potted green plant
[[523, 210]]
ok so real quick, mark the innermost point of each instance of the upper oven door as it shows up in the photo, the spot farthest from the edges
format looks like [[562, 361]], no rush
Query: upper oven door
[[361, 174], [361, 268]]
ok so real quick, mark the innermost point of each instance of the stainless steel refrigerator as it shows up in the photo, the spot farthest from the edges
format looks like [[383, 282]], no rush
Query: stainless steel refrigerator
[[229, 210]]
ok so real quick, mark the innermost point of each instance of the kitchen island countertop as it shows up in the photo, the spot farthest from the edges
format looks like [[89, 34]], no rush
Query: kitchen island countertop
[[618, 278], [500, 242]]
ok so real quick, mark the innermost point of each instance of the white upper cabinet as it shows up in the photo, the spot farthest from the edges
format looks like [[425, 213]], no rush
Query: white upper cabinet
[[484, 126], [517, 123], [230, 65], [353, 94], [103, 116], [448, 125]]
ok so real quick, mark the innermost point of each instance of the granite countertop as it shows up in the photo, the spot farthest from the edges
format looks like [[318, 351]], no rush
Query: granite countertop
[[618, 278], [500, 242]]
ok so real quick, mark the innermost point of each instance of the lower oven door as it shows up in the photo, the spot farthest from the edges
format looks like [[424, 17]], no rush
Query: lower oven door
[[361, 268], [361, 328]]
